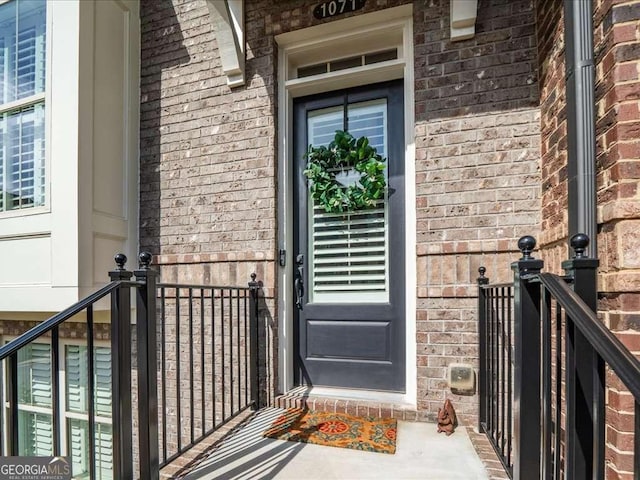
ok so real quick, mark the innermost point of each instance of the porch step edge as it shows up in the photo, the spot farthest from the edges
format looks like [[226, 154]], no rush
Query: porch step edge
[[357, 407]]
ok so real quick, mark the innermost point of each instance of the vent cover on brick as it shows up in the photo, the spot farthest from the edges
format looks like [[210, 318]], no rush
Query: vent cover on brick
[[346, 63]]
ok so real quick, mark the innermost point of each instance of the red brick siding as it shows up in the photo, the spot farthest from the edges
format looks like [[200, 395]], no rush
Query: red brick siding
[[617, 49], [477, 176]]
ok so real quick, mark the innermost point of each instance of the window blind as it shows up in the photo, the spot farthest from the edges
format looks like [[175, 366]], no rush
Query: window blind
[[34, 395], [77, 402], [22, 77], [349, 251]]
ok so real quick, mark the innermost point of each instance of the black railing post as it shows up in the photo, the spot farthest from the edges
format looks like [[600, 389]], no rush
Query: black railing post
[[585, 377], [526, 394], [482, 336], [13, 419], [121, 373], [146, 333], [254, 358]]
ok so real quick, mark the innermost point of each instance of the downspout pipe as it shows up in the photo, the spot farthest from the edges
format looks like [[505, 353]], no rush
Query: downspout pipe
[[581, 144]]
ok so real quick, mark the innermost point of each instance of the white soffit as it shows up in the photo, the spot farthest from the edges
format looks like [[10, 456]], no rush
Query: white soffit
[[463, 19], [227, 18]]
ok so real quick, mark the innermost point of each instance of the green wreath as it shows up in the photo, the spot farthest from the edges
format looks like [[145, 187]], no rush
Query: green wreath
[[345, 153]]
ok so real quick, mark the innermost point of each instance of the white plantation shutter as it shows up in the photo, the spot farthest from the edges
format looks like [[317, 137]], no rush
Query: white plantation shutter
[[22, 77], [349, 251], [23, 154], [102, 364], [76, 374], [77, 397], [34, 400], [23, 43], [34, 375], [78, 445], [35, 434], [77, 379], [104, 451]]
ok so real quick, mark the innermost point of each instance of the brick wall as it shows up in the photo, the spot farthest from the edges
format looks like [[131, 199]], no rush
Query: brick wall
[[208, 165], [617, 55], [478, 179]]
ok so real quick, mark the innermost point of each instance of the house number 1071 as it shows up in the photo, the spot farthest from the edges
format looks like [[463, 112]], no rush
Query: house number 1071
[[336, 7]]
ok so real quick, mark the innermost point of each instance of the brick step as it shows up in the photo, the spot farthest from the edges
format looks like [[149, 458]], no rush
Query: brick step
[[298, 398]]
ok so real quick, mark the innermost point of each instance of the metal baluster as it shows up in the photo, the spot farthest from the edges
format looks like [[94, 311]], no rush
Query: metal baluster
[[203, 417], [238, 348], [213, 354], [501, 352], [557, 458], [191, 365], [231, 350], [222, 353], [163, 319], [510, 381], [178, 361], [91, 393], [55, 387], [12, 393], [546, 386], [246, 351]]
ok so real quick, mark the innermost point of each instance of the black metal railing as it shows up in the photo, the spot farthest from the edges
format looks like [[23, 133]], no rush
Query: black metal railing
[[560, 351], [495, 306], [209, 380], [227, 379]]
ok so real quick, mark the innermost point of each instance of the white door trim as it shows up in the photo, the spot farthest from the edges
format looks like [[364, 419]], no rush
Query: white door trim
[[313, 45]]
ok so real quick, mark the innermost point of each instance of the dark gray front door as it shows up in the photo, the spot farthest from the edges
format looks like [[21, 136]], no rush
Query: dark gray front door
[[350, 329]]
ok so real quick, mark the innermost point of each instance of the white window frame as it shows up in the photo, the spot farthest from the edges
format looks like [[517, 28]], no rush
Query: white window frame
[[62, 400], [45, 98]]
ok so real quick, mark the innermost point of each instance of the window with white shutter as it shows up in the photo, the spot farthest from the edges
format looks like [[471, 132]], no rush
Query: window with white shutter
[[349, 251], [35, 428], [34, 400], [22, 106], [77, 409]]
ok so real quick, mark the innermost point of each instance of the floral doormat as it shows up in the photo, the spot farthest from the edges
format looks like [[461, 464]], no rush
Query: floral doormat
[[371, 434]]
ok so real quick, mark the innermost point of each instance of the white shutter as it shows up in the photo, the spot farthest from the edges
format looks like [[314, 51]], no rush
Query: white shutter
[[22, 75], [76, 366], [104, 451], [76, 378], [34, 375], [26, 64], [35, 434], [349, 251], [35, 431], [78, 445], [24, 27], [102, 364]]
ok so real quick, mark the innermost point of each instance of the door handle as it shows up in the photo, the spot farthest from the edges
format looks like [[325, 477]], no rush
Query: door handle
[[299, 280]]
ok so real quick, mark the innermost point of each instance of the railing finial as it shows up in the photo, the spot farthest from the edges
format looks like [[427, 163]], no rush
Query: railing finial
[[121, 260], [526, 245], [145, 260], [253, 284], [482, 271], [579, 243]]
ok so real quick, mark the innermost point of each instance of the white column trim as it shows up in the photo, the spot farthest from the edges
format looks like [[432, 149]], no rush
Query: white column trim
[[227, 18]]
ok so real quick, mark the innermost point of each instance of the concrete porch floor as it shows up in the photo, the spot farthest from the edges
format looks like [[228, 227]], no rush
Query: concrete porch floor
[[421, 453]]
